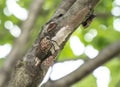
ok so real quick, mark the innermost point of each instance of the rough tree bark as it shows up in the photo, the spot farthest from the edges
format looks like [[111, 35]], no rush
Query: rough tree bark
[[19, 47], [30, 70]]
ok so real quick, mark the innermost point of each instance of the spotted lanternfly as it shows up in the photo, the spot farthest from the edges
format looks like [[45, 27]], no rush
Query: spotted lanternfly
[[45, 44], [43, 50], [88, 20]]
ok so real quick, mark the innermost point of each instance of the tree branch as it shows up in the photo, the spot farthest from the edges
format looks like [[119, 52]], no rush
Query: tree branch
[[30, 70], [105, 55], [19, 47], [63, 8]]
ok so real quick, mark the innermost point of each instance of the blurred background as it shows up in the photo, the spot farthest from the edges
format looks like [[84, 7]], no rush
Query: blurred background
[[83, 44]]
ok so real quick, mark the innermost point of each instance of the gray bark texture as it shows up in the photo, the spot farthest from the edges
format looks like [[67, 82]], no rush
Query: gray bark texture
[[31, 69], [19, 46]]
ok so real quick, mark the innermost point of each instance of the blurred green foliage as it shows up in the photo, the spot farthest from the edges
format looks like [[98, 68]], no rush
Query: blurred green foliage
[[103, 23], [90, 80]]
